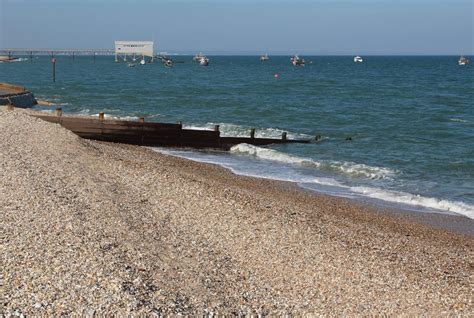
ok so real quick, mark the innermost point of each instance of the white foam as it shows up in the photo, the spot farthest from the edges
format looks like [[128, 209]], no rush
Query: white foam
[[114, 117], [458, 120], [416, 200], [232, 130], [346, 168]]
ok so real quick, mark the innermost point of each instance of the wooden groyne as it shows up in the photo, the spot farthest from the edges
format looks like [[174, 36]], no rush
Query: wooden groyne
[[154, 134], [16, 96]]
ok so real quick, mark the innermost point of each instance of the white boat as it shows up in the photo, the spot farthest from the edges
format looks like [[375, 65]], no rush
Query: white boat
[[197, 58], [463, 61], [264, 57], [358, 59], [204, 61], [297, 61], [143, 62], [131, 64]]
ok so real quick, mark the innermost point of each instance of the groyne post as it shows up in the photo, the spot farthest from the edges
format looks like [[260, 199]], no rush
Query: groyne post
[[53, 61], [31, 56], [59, 111], [216, 127], [141, 119], [283, 135], [252, 133], [101, 116]]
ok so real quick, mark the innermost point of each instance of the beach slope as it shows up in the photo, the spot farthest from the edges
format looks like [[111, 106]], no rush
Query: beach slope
[[91, 227]]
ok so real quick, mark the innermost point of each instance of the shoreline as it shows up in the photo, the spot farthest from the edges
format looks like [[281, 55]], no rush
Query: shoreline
[[451, 223], [95, 227]]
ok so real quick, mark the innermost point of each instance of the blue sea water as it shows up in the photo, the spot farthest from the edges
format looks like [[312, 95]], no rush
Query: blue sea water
[[411, 119]]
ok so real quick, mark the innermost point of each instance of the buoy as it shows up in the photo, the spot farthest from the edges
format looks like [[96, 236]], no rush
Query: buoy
[[276, 75]]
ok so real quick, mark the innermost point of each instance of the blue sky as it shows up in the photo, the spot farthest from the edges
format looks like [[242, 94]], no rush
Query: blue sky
[[245, 26]]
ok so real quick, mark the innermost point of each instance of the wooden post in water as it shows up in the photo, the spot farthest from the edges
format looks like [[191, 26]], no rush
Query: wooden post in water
[[59, 112], [252, 133], [31, 56], [283, 135], [216, 127], [141, 119], [101, 116], [53, 61]]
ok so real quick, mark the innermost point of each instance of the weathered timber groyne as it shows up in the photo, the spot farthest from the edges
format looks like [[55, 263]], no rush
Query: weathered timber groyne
[[154, 134], [16, 96]]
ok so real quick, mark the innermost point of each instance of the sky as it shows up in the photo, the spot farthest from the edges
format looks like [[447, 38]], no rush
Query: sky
[[326, 27]]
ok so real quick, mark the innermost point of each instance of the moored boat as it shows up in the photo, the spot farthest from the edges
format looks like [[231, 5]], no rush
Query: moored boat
[[264, 57], [358, 59], [204, 61], [463, 61], [297, 61]]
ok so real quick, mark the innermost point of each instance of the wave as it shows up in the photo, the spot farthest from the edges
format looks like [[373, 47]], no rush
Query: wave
[[233, 130], [416, 200], [113, 116], [351, 169], [458, 120]]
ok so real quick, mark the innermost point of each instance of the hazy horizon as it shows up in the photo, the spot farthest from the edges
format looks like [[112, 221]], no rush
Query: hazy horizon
[[230, 27]]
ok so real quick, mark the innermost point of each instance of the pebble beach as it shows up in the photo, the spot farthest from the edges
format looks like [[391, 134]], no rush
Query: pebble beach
[[94, 228]]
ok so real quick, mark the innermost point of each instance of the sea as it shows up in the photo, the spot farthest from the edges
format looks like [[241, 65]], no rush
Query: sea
[[396, 131]]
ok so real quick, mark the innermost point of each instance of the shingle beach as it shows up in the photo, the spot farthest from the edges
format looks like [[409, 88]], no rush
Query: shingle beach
[[90, 228]]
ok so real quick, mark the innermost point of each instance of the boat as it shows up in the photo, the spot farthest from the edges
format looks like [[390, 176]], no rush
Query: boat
[[143, 62], [197, 58], [201, 59], [264, 57], [358, 59], [463, 61], [131, 64], [8, 59], [204, 61], [297, 61]]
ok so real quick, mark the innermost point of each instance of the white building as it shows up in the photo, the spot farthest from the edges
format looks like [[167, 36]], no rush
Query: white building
[[124, 49]]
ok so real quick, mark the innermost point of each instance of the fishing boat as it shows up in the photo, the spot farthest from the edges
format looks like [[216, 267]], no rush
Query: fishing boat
[[264, 57], [463, 61], [297, 61], [358, 59]]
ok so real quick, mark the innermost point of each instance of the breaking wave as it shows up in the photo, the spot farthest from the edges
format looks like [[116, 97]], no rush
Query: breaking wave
[[232, 130], [416, 200], [346, 168]]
